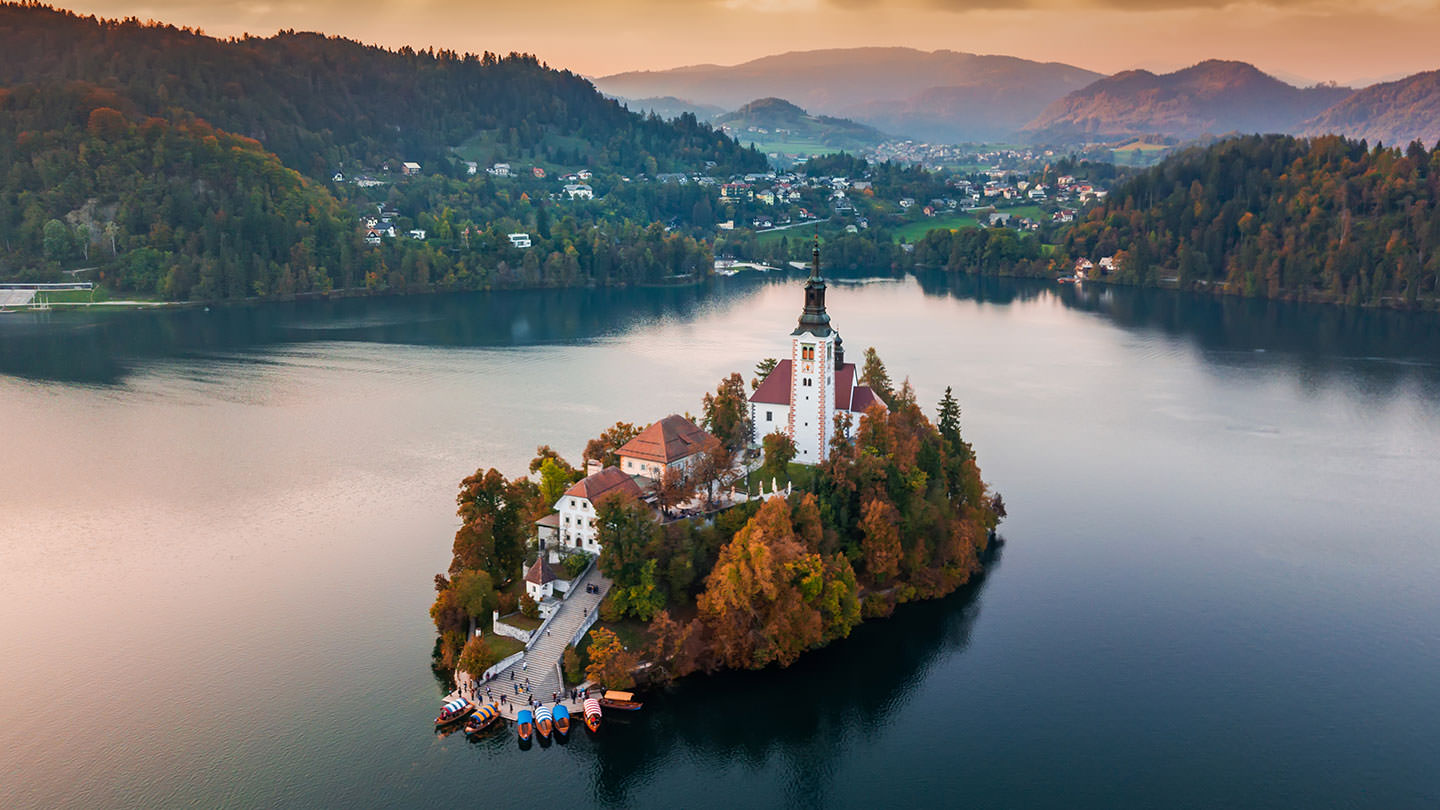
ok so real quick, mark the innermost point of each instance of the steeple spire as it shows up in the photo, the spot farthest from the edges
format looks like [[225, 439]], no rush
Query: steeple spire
[[814, 319]]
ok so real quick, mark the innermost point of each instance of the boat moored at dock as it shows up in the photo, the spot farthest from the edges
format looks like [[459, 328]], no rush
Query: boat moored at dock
[[562, 720], [623, 701], [543, 720], [454, 711], [483, 718], [525, 724], [592, 714]]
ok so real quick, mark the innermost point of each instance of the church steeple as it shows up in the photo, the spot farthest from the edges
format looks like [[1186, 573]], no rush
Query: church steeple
[[814, 319]]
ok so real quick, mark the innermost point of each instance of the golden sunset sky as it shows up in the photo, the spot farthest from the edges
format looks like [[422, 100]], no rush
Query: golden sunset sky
[[1298, 40]]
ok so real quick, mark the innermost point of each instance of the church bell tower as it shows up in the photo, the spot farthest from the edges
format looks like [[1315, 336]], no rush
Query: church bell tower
[[812, 378]]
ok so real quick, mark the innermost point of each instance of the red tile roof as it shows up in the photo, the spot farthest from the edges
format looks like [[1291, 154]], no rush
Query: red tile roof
[[608, 480], [540, 572], [667, 441], [775, 390], [844, 382], [863, 399]]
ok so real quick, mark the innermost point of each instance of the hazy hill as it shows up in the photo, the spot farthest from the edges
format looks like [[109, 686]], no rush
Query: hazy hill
[[671, 107], [944, 95], [777, 121], [1214, 96], [1394, 112]]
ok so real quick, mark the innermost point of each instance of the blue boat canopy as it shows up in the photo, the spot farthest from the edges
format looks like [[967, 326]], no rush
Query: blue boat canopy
[[561, 711], [524, 716]]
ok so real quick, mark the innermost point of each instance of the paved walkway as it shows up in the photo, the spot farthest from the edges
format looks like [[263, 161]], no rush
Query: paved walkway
[[541, 664]]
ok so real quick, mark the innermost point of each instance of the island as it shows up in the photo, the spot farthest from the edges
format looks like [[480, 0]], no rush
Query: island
[[820, 497]]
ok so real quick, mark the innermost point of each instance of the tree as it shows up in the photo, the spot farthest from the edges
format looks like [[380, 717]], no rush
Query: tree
[[603, 448], [673, 489], [610, 663], [949, 414], [554, 480], [762, 370], [727, 412], [528, 607], [475, 594], [874, 375], [570, 665], [476, 657], [59, 242], [881, 543], [767, 599], [779, 452], [714, 468], [630, 542], [495, 516], [675, 647], [544, 452]]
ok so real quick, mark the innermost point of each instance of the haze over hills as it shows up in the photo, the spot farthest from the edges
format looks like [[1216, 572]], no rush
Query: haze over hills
[[670, 107], [778, 124], [941, 95], [1395, 113], [1211, 97]]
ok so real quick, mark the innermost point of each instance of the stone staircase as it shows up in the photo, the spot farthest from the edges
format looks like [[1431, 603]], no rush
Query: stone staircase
[[541, 664]]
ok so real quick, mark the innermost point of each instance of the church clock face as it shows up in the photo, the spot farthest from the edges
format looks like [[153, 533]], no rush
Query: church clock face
[[807, 367]]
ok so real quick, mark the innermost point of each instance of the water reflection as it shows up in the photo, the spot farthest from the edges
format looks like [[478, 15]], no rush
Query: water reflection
[[808, 715], [1386, 348]]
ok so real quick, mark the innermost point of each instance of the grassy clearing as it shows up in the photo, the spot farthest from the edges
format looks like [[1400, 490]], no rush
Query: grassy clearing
[[521, 621], [915, 231], [503, 646]]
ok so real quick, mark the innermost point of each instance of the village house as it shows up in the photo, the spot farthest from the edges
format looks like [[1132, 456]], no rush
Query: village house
[[471, 167], [806, 391], [1083, 267], [537, 172], [575, 511], [338, 177], [499, 170], [520, 240], [540, 580], [409, 168], [417, 233], [672, 443], [579, 191], [1107, 265]]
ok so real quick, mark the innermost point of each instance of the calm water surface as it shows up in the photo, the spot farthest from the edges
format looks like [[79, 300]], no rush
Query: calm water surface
[[218, 531]]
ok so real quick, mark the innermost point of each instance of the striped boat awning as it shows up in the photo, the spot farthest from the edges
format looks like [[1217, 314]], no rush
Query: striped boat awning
[[488, 711], [542, 713], [592, 706], [455, 705]]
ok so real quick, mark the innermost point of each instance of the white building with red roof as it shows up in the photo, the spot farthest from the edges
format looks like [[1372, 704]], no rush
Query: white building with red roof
[[805, 392], [576, 508], [673, 442]]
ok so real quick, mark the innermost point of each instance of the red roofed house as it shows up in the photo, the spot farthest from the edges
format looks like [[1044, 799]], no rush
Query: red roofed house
[[540, 580], [804, 393], [673, 442], [577, 506]]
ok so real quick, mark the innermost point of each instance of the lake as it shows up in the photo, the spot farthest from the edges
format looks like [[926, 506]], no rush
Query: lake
[[218, 531]]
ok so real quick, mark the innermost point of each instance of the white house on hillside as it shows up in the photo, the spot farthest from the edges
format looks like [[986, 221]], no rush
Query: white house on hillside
[[576, 507], [673, 442]]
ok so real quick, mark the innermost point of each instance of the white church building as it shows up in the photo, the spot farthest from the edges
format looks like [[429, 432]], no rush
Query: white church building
[[804, 393]]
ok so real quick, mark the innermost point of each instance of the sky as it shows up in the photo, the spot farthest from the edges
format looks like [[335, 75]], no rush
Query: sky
[[1302, 41]]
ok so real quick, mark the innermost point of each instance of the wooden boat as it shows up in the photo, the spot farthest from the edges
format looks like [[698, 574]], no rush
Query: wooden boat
[[562, 720], [624, 701], [543, 722], [525, 724], [483, 718], [454, 711], [592, 714]]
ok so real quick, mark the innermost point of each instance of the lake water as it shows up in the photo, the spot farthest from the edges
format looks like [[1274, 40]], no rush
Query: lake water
[[218, 531]]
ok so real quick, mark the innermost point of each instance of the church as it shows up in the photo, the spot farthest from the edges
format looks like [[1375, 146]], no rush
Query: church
[[805, 392]]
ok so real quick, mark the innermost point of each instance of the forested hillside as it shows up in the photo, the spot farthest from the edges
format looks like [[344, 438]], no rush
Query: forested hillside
[[184, 167], [1281, 217], [319, 101], [174, 207]]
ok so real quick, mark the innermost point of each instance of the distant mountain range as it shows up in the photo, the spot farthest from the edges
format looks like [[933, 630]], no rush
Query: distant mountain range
[[1212, 97], [774, 124], [1393, 112], [940, 95], [671, 107], [951, 97]]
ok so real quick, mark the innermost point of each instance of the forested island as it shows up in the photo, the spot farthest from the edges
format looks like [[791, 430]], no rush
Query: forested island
[[897, 512]]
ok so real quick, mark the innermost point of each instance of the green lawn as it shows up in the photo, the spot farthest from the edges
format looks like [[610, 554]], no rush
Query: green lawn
[[503, 646], [521, 621], [915, 231], [99, 295]]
